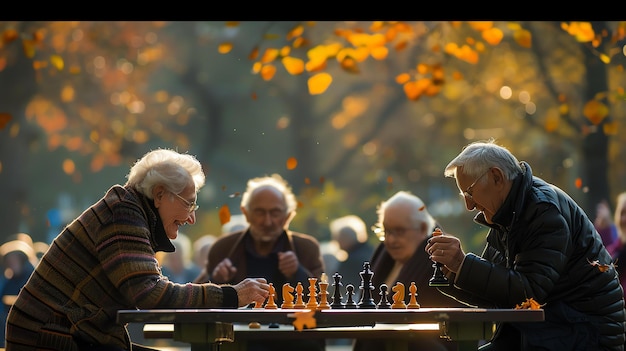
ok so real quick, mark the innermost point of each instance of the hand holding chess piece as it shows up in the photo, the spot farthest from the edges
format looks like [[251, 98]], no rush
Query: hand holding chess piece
[[438, 278]]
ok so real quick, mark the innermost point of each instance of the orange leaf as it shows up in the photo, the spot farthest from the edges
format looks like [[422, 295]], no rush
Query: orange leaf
[[254, 53], [402, 78], [293, 65], [493, 35], [270, 55], [595, 111], [578, 183], [304, 320], [523, 38], [4, 119], [349, 64], [224, 214], [379, 52], [296, 32], [9, 35], [319, 83], [268, 71], [292, 163], [225, 48]]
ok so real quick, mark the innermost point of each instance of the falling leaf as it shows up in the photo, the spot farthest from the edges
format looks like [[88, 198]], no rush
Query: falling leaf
[[4, 119], [225, 48], [57, 62], [270, 55], [579, 183], [295, 32], [268, 71], [305, 320], [601, 267], [380, 53], [224, 214], [9, 35], [402, 78], [293, 65], [254, 53], [595, 111], [292, 163], [235, 194], [319, 83]]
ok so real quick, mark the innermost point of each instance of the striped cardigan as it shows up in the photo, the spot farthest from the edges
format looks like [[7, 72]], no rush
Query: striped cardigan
[[100, 263]]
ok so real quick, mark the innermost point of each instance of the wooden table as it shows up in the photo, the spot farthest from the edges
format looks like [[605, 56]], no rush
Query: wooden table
[[228, 329]]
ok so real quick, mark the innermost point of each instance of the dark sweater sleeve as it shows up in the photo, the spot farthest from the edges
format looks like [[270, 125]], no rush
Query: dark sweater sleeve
[[230, 297]]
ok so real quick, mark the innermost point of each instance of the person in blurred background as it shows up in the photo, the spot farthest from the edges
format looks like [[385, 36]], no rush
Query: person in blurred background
[[104, 261], [606, 227], [201, 248], [350, 233], [179, 266], [619, 250], [19, 259], [236, 223], [267, 248], [404, 225]]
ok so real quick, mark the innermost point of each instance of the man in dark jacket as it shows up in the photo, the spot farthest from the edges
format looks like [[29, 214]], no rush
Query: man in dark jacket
[[541, 246], [266, 248]]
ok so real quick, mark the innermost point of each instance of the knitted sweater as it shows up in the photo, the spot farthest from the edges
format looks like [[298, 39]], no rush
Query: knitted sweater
[[100, 263]]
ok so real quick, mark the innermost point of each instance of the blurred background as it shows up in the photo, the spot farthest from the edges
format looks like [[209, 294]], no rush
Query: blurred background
[[348, 112]]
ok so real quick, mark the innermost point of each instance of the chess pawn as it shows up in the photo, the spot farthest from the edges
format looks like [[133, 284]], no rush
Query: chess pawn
[[350, 296], [384, 301]]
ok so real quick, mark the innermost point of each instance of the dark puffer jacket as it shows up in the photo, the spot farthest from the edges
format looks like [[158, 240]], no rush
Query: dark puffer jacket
[[543, 246]]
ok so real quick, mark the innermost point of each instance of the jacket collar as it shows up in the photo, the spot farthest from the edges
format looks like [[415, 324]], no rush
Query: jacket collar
[[158, 239]]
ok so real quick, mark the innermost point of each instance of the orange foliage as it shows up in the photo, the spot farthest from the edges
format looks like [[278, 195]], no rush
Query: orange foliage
[[493, 36], [291, 163], [595, 111], [270, 55], [529, 304], [319, 83], [293, 65], [268, 71], [578, 183], [305, 320], [523, 38], [225, 48], [224, 214], [4, 119]]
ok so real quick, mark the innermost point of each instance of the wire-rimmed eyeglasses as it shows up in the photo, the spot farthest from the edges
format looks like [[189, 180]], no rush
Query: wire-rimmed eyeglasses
[[191, 206]]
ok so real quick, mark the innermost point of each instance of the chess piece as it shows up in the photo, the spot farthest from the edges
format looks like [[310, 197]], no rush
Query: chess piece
[[299, 299], [413, 293], [287, 296], [367, 301], [323, 295], [312, 303], [384, 300], [336, 298], [398, 296], [271, 304], [438, 278], [350, 296]]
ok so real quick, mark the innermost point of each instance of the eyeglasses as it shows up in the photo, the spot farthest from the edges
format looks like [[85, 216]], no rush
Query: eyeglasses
[[191, 206], [395, 232], [468, 192]]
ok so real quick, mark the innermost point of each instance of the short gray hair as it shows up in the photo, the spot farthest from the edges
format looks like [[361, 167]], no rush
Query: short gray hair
[[165, 167], [419, 212], [476, 158], [274, 181]]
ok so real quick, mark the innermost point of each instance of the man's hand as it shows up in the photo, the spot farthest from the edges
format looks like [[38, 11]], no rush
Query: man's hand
[[446, 249], [252, 290], [223, 272], [288, 263]]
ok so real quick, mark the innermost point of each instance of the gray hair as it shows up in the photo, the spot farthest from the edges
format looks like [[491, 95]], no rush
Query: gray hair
[[165, 167], [274, 181], [352, 223], [476, 158], [419, 212]]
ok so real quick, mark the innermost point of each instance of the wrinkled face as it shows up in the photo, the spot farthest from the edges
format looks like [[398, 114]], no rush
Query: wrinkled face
[[479, 193], [402, 235], [175, 210], [267, 214]]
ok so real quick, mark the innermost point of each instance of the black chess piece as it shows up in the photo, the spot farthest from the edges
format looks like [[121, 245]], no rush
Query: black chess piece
[[367, 301], [384, 298], [438, 278], [350, 296], [337, 299]]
